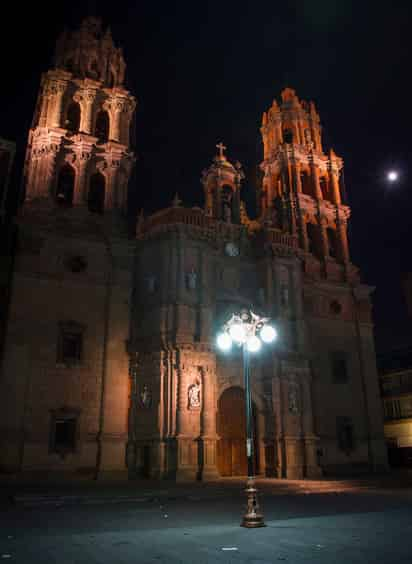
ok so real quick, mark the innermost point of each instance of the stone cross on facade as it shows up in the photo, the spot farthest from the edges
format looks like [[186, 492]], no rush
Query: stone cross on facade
[[221, 148]]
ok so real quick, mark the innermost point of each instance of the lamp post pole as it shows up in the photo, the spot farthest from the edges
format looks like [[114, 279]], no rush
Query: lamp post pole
[[253, 517], [248, 330]]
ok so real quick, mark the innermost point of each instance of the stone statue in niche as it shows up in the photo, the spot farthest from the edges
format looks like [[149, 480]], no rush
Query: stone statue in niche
[[194, 395], [293, 399], [191, 280], [150, 283], [284, 295], [146, 396]]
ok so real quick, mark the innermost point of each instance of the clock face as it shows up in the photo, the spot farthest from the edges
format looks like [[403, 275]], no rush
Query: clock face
[[231, 249]]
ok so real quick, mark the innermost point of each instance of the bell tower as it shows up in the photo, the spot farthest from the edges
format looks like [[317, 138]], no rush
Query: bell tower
[[78, 150], [302, 186], [221, 184]]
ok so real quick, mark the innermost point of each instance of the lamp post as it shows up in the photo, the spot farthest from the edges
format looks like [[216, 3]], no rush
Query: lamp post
[[247, 330]]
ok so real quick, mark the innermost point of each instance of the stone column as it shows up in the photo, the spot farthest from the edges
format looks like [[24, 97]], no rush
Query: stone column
[[296, 172], [87, 125], [324, 238], [209, 436], [279, 441], [341, 226], [334, 183], [294, 454], [304, 240], [312, 470], [115, 121], [56, 118], [315, 179], [81, 188], [187, 446]]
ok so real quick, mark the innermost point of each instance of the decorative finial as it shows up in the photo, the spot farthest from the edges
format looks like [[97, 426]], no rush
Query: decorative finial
[[176, 202], [221, 148]]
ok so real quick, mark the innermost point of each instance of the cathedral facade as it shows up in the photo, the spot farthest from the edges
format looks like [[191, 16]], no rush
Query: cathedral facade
[[110, 365]]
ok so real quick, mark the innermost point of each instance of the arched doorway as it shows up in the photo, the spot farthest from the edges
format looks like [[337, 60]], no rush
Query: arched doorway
[[231, 427], [65, 185]]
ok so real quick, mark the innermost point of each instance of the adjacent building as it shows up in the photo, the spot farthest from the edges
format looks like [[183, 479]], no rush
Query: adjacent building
[[110, 365]]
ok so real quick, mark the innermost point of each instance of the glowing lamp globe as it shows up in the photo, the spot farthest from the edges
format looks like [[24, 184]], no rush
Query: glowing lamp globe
[[237, 332], [224, 342], [253, 344], [392, 176], [268, 334]]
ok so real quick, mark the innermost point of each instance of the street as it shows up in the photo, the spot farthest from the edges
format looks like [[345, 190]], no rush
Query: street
[[203, 527]]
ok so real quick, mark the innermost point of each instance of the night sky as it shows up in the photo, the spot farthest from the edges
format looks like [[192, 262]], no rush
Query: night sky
[[204, 72]]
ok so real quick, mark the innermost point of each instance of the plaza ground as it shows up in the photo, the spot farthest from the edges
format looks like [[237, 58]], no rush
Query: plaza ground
[[341, 521]]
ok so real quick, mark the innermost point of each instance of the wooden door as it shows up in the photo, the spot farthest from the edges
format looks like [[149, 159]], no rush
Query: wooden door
[[231, 427]]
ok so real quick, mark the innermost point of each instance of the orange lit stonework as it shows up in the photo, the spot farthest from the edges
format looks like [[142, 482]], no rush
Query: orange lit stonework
[[110, 359]]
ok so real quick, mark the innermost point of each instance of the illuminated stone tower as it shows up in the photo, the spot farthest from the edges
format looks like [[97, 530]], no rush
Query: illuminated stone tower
[[66, 363], [302, 186], [78, 151]]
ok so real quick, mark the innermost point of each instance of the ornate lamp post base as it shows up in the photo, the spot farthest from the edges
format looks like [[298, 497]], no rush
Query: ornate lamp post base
[[253, 517]]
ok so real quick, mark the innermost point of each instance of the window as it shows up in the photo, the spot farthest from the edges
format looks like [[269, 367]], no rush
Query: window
[[102, 126], [323, 183], [65, 186], [287, 136], [64, 430], [344, 434], [314, 240], [70, 343], [72, 122], [96, 193], [339, 367]]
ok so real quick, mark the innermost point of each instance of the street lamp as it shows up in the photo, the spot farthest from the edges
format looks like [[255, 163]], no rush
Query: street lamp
[[248, 330]]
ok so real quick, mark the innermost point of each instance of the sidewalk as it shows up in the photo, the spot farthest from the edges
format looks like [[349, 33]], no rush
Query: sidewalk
[[28, 493]]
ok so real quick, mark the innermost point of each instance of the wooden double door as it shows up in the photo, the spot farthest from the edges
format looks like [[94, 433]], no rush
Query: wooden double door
[[231, 427]]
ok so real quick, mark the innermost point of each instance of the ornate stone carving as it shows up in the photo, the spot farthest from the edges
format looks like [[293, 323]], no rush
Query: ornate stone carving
[[194, 396], [293, 398], [146, 396], [191, 280]]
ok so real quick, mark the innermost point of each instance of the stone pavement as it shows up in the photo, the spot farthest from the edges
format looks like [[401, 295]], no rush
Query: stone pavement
[[23, 492], [350, 527]]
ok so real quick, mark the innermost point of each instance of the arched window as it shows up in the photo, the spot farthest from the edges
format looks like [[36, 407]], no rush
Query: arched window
[[324, 187], [73, 115], [93, 71], [314, 240], [97, 189], [65, 185], [287, 135], [102, 126], [110, 81], [306, 182]]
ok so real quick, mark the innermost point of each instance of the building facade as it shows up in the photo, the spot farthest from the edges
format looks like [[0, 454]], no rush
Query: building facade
[[396, 386], [110, 362]]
